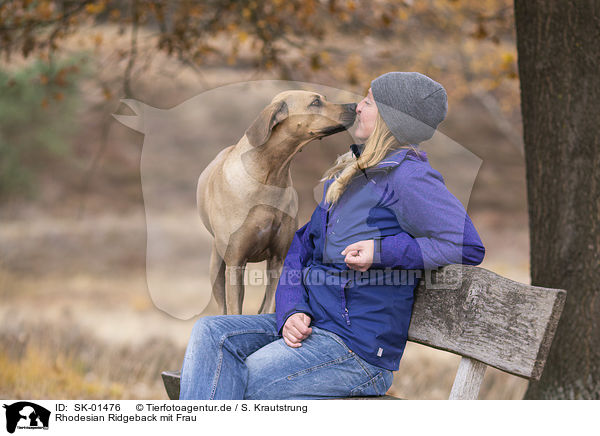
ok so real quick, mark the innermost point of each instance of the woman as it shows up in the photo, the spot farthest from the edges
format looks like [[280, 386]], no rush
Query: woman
[[342, 309]]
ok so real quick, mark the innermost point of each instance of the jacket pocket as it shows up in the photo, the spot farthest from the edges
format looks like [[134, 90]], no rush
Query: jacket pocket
[[320, 366]]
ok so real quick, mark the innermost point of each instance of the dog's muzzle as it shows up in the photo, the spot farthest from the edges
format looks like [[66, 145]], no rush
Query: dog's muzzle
[[348, 115], [333, 129], [346, 119]]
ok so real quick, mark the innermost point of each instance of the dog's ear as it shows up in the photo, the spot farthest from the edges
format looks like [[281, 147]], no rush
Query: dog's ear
[[260, 130]]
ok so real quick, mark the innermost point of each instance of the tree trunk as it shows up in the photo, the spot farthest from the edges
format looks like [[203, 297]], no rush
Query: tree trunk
[[558, 44]]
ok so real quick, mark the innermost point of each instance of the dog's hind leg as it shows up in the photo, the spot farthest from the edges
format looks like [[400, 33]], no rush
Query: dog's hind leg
[[274, 265], [217, 279]]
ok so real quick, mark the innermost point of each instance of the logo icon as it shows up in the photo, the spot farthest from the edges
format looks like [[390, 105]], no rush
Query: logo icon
[[26, 415]]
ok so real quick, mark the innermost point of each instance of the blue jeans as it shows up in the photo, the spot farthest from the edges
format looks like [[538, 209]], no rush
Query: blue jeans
[[235, 357]]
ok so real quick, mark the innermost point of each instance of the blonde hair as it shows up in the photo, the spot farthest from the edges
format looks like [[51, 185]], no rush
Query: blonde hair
[[377, 146]]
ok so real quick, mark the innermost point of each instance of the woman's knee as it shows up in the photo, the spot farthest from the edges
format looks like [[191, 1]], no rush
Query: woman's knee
[[201, 325], [204, 328], [219, 327]]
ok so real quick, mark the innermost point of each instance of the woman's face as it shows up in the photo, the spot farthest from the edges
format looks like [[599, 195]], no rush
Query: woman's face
[[366, 114]]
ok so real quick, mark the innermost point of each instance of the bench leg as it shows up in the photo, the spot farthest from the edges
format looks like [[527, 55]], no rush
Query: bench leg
[[171, 380], [468, 379]]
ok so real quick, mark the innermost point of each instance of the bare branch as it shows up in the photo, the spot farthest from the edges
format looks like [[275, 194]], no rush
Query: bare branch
[[133, 51]]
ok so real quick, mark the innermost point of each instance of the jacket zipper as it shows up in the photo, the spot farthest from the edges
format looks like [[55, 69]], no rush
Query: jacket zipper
[[345, 314], [305, 274]]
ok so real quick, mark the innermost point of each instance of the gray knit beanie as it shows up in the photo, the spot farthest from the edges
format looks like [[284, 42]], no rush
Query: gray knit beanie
[[411, 104]]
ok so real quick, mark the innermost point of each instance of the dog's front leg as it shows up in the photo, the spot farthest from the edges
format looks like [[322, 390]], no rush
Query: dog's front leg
[[273, 273], [234, 288]]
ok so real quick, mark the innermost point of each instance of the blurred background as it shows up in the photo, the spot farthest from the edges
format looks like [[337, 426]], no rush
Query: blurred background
[[77, 319]]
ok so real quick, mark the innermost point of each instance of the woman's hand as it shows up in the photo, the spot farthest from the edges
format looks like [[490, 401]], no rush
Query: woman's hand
[[296, 329], [359, 256]]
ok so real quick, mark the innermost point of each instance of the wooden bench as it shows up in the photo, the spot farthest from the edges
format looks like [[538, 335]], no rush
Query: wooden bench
[[485, 318]]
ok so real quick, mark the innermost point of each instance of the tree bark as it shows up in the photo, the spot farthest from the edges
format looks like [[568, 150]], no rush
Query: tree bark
[[558, 44]]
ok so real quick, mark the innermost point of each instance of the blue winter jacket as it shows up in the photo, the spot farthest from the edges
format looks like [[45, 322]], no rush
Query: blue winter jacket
[[404, 206]]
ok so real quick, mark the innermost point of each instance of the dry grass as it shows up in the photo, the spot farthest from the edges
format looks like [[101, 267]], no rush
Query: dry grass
[[63, 361], [37, 374]]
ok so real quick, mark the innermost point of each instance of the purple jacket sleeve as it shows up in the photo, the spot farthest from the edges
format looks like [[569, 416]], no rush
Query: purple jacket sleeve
[[438, 230], [291, 295]]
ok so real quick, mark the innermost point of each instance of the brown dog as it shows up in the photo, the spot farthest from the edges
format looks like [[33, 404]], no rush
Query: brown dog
[[245, 195]]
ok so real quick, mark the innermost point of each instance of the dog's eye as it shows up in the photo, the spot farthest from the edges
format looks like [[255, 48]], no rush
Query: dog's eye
[[316, 102]]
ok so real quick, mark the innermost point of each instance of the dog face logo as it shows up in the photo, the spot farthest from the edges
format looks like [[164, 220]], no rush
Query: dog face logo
[[202, 163], [26, 415]]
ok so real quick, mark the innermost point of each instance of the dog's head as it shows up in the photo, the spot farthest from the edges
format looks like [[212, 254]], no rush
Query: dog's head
[[303, 115]]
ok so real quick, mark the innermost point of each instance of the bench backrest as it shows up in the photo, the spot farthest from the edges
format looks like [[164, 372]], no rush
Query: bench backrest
[[486, 318]]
